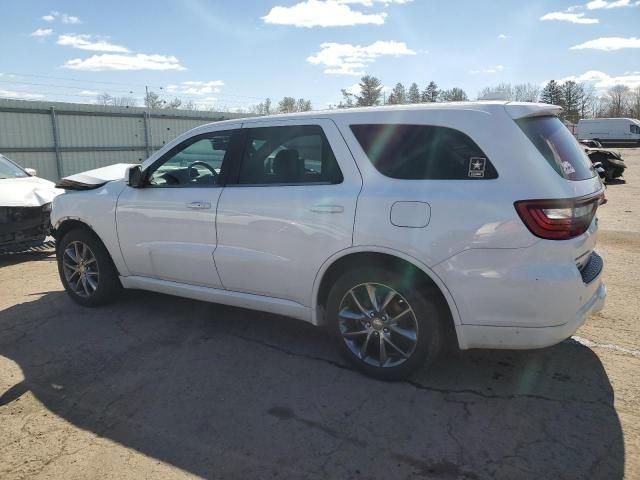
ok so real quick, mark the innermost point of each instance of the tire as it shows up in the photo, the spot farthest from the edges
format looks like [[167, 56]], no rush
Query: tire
[[96, 279], [346, 320]]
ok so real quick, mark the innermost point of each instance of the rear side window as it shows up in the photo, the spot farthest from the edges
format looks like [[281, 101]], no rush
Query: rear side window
[[423, 152], [297, 154], [557, 145]]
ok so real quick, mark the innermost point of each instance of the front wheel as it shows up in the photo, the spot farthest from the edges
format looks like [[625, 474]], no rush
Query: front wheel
[[384, 326], [86, 270]]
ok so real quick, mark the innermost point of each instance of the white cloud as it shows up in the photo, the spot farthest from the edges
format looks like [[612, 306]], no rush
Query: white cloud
[[19, 95], [609, 43], [493, 69], [87, 42], [370, 3], [321, 13], [502, 36], [63, 17], [140, 61], [603, 80], [347, 59], [570, 17], [599, 4], [194, 87], [42, 32], [89, 93]]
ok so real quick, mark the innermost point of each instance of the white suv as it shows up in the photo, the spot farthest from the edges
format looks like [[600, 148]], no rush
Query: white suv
[[401, 229]]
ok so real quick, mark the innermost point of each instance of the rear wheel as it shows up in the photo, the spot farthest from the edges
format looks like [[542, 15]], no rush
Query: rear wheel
[[86, 269], [383, 325]]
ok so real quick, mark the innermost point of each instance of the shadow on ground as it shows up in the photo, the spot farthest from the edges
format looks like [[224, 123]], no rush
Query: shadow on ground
[[224, 392]]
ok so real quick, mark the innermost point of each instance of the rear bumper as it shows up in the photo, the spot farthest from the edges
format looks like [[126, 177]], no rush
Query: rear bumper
[[482, 336]]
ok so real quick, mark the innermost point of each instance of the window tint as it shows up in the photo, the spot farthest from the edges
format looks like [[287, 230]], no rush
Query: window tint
[[558, 147], [420, 152], [634, 128], [288, 155], [195, 162]]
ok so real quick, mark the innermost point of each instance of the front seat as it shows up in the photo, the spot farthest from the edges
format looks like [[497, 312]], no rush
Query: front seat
[[288, 167]]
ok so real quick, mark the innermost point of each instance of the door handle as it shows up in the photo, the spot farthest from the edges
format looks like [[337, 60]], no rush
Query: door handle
[[199, 205], [327, 209]]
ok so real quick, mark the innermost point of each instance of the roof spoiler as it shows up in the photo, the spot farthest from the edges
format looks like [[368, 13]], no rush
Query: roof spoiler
[[518, 110]]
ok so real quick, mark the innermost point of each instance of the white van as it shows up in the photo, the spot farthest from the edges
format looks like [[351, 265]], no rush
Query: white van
[[610, 130]]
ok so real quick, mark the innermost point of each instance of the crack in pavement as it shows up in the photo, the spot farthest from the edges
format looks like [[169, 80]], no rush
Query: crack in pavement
[[419, 386]]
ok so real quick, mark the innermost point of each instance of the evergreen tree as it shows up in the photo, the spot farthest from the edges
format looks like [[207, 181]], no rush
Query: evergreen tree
[[370, 91], [551, 93], [454, 95], [398, 95], [430, 93], [572, 94], [414, 93]]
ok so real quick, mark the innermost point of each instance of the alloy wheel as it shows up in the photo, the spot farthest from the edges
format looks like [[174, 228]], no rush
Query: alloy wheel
[[378, 325], [80, 268]]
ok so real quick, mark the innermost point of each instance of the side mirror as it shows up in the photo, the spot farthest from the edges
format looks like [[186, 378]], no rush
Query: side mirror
[[135, 177], [31, 171]]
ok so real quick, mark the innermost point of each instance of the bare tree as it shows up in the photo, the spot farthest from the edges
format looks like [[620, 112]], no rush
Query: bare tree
[[526, 92], [124, 102], [618, 100], [104, 99], [587, 102], [263, 108], [635, 103], [153, 100], [173, 104], [189, 105], [502, 91]]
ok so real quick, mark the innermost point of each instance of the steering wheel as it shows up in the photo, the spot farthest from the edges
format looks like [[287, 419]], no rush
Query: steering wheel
[[205, 165]]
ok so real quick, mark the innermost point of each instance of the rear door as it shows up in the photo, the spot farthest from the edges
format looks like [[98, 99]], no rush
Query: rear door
[[167, 228], [289, 208]]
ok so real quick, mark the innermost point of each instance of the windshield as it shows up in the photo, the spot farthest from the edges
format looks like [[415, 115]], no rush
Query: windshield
[[558, 146], [8, 169]]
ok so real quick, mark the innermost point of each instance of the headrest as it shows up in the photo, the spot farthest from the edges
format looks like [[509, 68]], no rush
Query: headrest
[[287, 166]]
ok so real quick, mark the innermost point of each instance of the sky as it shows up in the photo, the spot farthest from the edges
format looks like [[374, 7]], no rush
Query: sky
[[232, 54]]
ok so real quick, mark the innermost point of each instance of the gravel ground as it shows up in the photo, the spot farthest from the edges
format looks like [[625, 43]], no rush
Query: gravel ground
[[160, 387]]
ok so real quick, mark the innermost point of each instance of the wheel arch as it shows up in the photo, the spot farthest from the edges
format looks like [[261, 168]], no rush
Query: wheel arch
[[66, 224], [338, 263]]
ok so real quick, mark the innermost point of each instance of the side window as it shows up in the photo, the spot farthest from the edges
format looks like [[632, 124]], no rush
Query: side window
[[423, 152], [634, 128], [297, 154], [195, 162]]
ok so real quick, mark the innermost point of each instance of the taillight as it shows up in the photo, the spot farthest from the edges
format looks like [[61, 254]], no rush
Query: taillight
[[559, 219]]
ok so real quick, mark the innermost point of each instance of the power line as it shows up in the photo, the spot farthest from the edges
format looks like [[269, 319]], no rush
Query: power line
[[138, 86]]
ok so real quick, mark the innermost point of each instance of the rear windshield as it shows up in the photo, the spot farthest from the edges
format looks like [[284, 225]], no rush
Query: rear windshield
[[557, 145]]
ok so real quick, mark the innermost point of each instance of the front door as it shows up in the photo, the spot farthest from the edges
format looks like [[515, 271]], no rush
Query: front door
[[290, 206], [167, 228]]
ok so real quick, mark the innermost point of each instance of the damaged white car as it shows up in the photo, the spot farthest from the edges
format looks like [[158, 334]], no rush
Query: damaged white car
[[25, 206]]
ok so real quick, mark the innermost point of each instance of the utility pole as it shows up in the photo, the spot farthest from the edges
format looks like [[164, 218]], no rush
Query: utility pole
[[146, 101]]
